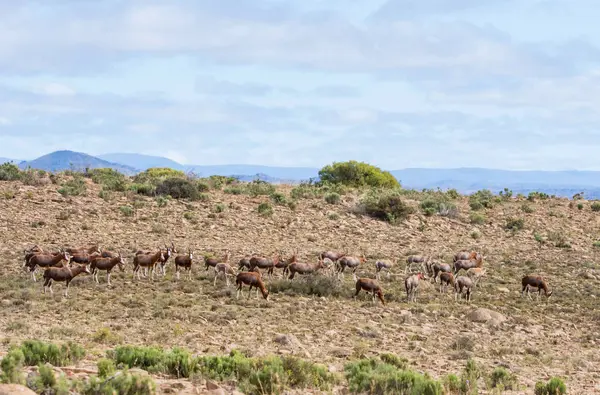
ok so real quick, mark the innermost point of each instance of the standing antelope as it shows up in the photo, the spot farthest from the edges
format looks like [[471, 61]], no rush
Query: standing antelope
[[385, 265], [63, 274], [146, 261], [184, 261], [461, 283], [47, 260], [212, 261], [411, 284], [334, 256], [303, 268], [477, 273], [84, 250], [446, 278], [535, 282], [350, 262], [225, 270], [424, 261], [369, 286], [467, 264], [265, 263], [98, 263], [252, 279], [440, 268]]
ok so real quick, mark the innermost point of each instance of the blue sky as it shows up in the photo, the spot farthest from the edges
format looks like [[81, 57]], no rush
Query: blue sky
[[397, 83]]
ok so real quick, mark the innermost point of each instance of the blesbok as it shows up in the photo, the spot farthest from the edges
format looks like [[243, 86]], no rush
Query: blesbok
[[466, 255], [535, 283], [423, 261], [303, 268], [476, 273], [369, 286], [43, 260], [161, 263], [212, 261], [383, 265], [223, 269], [333, 255], [440, 268], [146, 261], [446, 278], [98, 263], [285, 263], [252, 279], [349, 262], [467, 264], [244, 263], [411, 284], [262, 262], [184, 261], [63, 274], [463, 283]]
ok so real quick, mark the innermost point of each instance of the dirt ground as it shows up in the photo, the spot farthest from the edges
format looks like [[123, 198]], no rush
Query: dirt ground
[[534, 339]]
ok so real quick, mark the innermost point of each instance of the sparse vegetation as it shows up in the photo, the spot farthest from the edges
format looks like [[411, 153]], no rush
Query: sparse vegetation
[[386, 205], [357, 174], [555, 386], [595, 206], [265, 209], [514, 224], [73, 187], [332, 198], [9, 172]]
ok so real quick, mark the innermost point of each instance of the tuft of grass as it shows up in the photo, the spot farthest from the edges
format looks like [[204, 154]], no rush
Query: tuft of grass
[[503, 380], [12, 367], [219, 208], [279, 198], [127, 211], [477, 218], [514, 224], [555, 386], [595, 206], [265, 209], [333, 198], [36, 352], [526, 208]]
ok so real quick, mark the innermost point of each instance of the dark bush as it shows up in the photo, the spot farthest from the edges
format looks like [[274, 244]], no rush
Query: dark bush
[[178, 188], [357, 174], [386, 205]]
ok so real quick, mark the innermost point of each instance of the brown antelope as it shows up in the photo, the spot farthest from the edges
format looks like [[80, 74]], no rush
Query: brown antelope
[[467, 264], [303, 268], [212, 261], [252, 279], [285, 263], [265, 263], [461, 283], [466, 255], [446, 278], [98, 263], [423, 261], [369, 286], [440, 268], [33, 251], [411, 284], [63, 274], [383, 265], [83, 257], [144, 260], [161, 263], [476, 273], [350, 262], [244, 263], [184, 261], [43, 260], [225, 270], [334, 256], [535, 283]]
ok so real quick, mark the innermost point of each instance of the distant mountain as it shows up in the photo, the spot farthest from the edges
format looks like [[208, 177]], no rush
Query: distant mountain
[[70, 160], [142, 162], [278, 173], [4, 160]]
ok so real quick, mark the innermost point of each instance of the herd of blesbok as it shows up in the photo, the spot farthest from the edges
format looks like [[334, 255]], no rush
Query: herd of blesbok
[[66, 264]]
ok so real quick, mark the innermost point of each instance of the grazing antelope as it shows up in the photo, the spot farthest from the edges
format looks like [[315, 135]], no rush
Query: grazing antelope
[[446, 278], [440, 268], [350, 262], [146, 260], [304, 268], [252, 279], [98, 263], [224, 270], [461, 283], [369, 286], [385, 265], [476, 273], [265, 263], [411, 284], [535, 282], [424, 261], [47, 260], [63, 274], [467, 264], [184, 261], [212, 261]]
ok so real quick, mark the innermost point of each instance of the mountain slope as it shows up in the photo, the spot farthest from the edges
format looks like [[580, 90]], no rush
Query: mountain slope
[[140, 161], [70, 160]]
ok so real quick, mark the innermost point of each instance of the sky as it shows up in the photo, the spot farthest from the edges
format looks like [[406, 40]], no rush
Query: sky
[[397, 83]]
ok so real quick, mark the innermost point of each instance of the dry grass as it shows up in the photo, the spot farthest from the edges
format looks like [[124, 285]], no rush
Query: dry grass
[[538, 340]]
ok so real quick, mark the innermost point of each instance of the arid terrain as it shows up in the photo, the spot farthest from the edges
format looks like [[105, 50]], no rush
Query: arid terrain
[[535, 340]]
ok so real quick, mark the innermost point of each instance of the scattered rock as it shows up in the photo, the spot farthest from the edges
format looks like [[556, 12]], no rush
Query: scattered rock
[[15, 389], [341, 352], [503, 290], [485, 315], [211, 385]]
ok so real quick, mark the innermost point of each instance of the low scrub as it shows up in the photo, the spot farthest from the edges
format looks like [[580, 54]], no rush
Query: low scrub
[[376, 376], [122, 383], [481, 199], [110, 179], [178, 188], [73, 187], [156, 175], [386, 205], [504, 380], [514, 224], [439, 205], [9, 172], [555, 386], [357, 174], [177, 362]]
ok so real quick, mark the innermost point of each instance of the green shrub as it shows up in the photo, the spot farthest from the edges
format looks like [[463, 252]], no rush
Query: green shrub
[[452, 384], [559, 239], [537, 195], [481, 199], [506, 194], [202, 186], [37, 352], [438, 205], [178, 188], [357, 174], [279, 198], [595, 206], [514, 224], [477, 218], [177, 362], [219, 208], [110, 179], [504, 380], [385, 205], [45, 382], [156, 175], [73, 187], [12, 367], [259, 188], [123, 384], [106, 367], [580, 206], [555, 386], [377, 377], [332, 198], [469, 378], [217, 182], [234, 190], [305, 191], [265, 209], [596, 244], [127, 211], [162, 201], [527, 209], [9, 172], [143, 189]]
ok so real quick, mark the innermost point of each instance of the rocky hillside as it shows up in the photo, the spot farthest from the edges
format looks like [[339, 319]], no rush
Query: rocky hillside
[[314, 318]]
